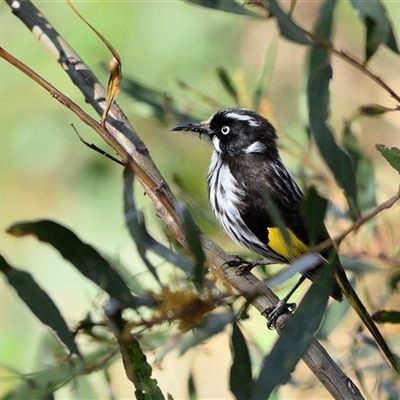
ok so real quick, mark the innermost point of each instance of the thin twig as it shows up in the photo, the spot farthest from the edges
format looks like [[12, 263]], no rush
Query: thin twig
[[352, 60], [344, 55], [96, 148], [360, 221]]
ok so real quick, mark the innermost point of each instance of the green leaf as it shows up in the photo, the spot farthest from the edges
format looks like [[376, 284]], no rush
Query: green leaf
[[154, 98], [296, 337], [39, 303], [385, 316], [143, 240], [334, 315], [41, 385], [336, 311], [314, 209], [135, 222], [320, 74], [200, 96], [240, 377], [194, 204], [158, 100], [83, 256], [288, 28], [193, 239], [266, 74], [365, 171], [227, 83], [378, 26], [356, 266], [392, 155], [192, 387], [229, 6], [138, 370], [364, 168], [373, 110]]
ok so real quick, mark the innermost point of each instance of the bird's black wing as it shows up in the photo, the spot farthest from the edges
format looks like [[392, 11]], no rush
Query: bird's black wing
[[258, 175]]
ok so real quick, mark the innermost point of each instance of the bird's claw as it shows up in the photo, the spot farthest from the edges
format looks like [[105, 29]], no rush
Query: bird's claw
[[273, 313], [242, 266]]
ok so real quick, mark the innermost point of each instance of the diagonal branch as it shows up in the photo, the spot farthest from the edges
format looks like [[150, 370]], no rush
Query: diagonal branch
[[121, 136]]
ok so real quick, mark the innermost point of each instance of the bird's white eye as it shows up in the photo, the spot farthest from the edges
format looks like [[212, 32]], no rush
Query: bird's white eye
[[225, 130]]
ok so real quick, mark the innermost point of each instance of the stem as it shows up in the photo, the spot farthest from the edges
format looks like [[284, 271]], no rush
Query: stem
[[360, 221]]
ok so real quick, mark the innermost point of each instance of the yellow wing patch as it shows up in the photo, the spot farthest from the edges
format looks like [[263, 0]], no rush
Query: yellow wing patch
[[295, 248]]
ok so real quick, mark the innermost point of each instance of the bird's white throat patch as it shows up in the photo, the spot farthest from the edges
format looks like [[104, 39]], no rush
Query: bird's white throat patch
[[225, 194], [216, 144]]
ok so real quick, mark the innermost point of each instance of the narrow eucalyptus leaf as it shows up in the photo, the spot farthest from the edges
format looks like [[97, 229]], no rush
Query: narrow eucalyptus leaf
[[392, 155], [386, 316], [334, 315], [41, 385], [227, 83], [83, 256], [192, 387], [194, 242], [39, 302], [364, 168], [318, 97], [288, 28], [135, 221], [378, 26], [314, 209], [138, 370], [240, 376], [266, 74], [373, 110], [143, 240]]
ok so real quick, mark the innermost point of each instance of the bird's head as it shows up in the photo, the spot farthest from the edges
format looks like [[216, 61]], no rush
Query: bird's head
[[236, 131]]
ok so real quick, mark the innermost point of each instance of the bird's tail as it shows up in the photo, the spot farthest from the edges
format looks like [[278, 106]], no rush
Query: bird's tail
[[358, 306]]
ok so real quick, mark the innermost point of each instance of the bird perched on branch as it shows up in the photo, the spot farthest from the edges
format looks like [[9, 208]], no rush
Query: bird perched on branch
[[245, 171]]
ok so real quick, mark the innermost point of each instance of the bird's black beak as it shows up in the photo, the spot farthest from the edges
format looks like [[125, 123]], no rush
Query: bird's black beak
[[202, 128]]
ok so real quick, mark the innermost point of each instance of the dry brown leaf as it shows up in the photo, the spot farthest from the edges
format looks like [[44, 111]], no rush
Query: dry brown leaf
[[114, 67]]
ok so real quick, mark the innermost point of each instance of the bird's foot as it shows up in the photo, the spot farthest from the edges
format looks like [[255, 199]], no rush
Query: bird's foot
[[273, 313], [242, 266]]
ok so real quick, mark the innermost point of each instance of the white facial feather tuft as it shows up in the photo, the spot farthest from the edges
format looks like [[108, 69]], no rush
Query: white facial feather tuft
[[255, 147], [240, 117], [216, 142]]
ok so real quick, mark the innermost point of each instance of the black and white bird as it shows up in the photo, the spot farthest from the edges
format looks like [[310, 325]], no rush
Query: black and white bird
[[245, 168]]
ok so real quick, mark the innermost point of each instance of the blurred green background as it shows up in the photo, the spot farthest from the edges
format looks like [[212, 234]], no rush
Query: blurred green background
[[45, 172]]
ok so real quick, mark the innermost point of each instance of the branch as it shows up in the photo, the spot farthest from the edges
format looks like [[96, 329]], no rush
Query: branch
[[352, 60], [344, 55], [121, 136], [360, 221]]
